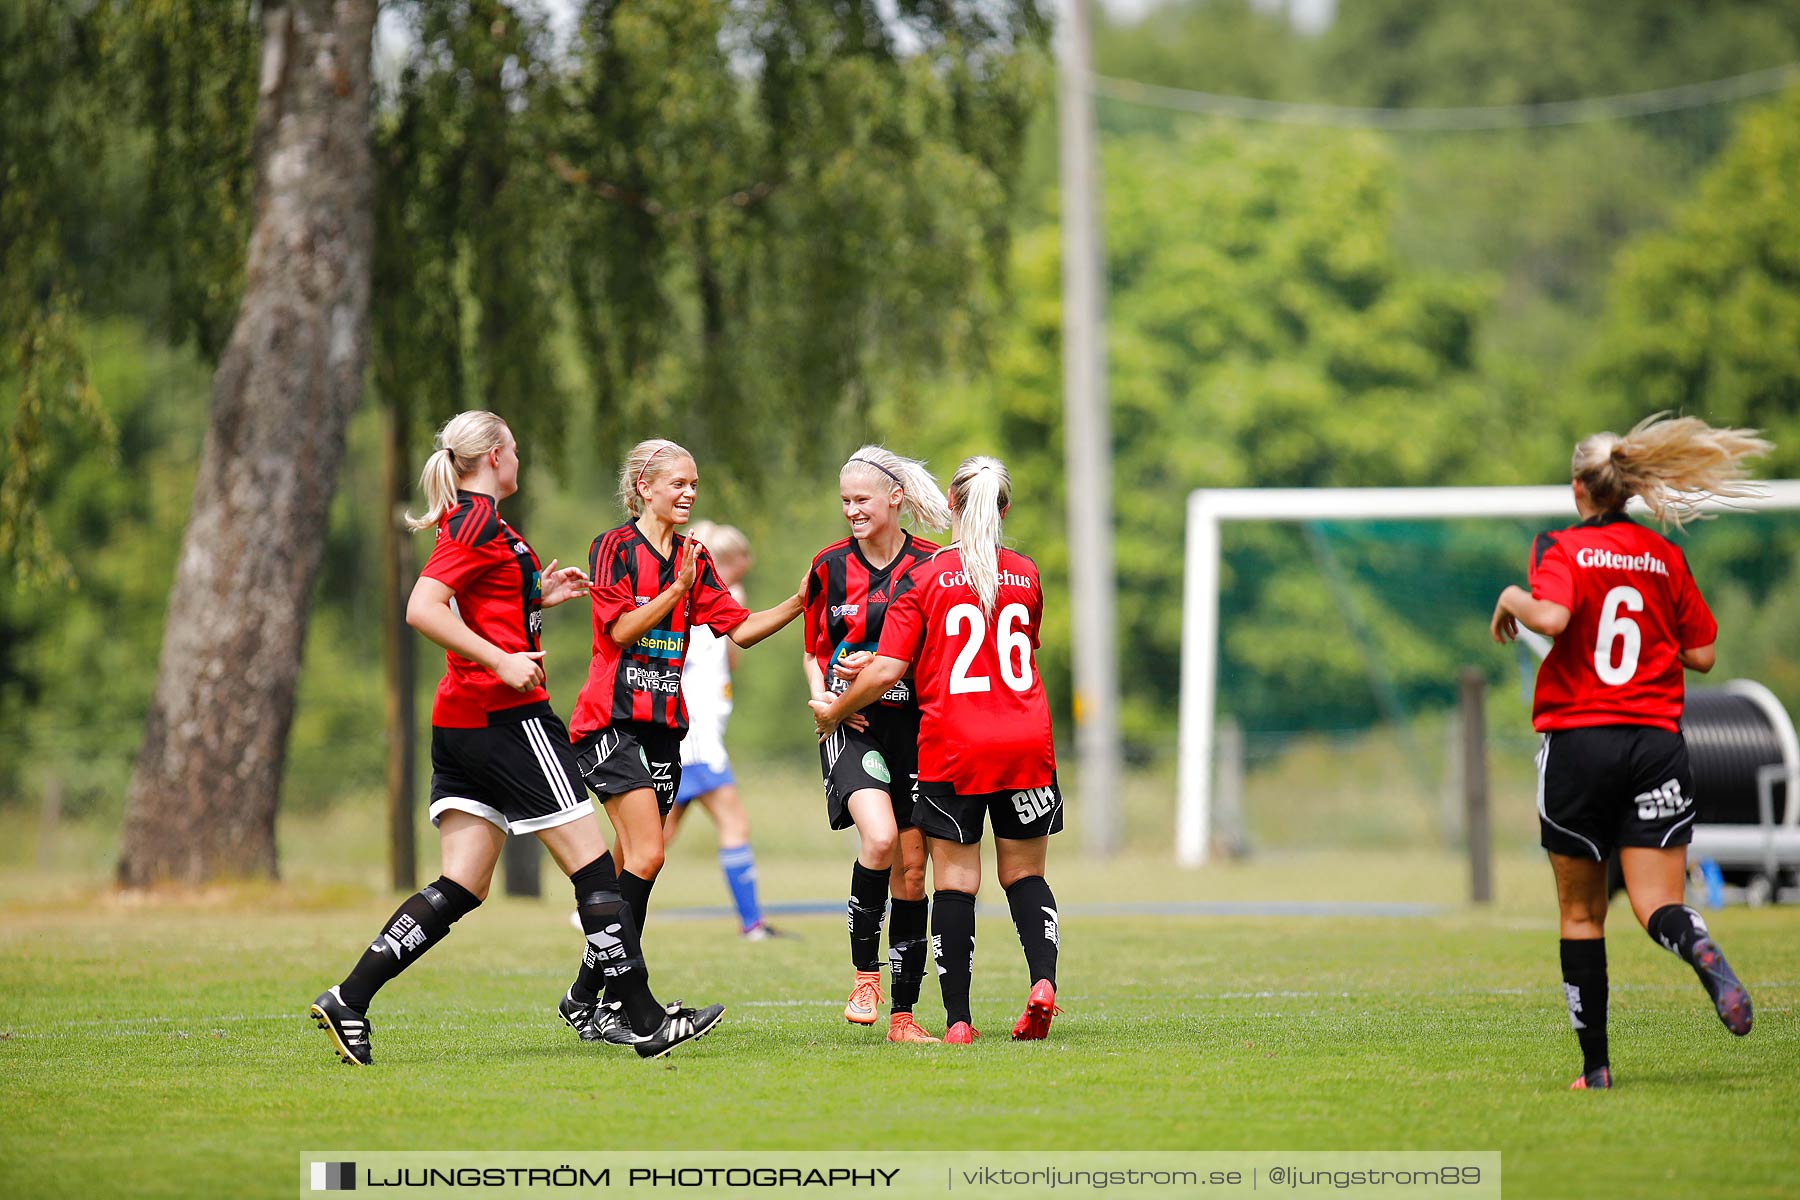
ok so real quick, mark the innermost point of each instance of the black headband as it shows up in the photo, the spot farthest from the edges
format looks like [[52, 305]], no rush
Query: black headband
[[898, 482]]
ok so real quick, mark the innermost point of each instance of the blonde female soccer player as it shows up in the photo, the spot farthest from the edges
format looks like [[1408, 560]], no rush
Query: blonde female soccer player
[[1628, 618]]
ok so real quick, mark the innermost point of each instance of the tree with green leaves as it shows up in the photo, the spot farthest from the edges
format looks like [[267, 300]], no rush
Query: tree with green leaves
[[1704, 317], [760, 210]]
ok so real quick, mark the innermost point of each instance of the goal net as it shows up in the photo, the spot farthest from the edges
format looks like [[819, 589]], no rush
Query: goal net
[[1324, 628]]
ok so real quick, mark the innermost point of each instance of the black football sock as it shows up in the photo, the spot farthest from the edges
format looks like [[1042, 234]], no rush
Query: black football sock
[[1034, 916], [906, 951], [636, 890], [420, 922], [953, 946], [1584, 987], [868, 905], [613, 957], [1677, 929]]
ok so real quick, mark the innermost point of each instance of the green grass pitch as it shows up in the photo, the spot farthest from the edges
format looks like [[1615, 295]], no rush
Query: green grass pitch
[[164, 1050]]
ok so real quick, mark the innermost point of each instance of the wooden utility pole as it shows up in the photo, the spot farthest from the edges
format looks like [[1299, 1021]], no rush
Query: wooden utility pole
[[1087, 446], [1475, 784]]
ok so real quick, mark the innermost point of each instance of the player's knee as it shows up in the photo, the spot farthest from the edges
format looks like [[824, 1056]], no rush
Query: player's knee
[[1010, 874], [879, 845], [909, 881], [1582, 922], [647, 863]]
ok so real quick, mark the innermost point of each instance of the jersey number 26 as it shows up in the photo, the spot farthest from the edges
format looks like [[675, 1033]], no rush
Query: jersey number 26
[[1010, 642]]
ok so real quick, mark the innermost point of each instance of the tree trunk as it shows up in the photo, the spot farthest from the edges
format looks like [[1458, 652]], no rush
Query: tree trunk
[[397, 644], [204, 791]]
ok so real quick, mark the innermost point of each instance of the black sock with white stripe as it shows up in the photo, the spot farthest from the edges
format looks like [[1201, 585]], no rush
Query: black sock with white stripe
[[1584, 987], [417, 925], [953, 946], [1677, 929], [1034, 916], [613, 958], [868, 905]]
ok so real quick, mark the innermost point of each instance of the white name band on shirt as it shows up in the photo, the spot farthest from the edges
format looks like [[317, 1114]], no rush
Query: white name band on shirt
[[1587, 556]]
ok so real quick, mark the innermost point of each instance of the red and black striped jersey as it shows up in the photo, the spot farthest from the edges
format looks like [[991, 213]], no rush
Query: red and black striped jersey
[[984, 723], [846, 601], [499, 595], [642, 681], [1633, 608]]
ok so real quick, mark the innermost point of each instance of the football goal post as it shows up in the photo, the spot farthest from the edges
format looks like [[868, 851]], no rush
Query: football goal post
[[1209, 509]]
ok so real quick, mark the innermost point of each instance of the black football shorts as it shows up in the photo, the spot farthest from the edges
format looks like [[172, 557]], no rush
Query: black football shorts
[[629, 755], [883, 757], [518, 772], [1613, 785], [1016, 813]]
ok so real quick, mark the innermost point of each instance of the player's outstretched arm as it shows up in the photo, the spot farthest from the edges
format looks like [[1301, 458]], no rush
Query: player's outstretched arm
[[562, 585], [1517, 606], [428, 611], [875, 679], [759, 625]]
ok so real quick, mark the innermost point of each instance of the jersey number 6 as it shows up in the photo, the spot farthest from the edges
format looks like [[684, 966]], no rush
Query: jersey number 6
[[1010, 641], [1617, 628]]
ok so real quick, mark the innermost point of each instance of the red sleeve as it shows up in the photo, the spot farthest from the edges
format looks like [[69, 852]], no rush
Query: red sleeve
[[1694, 622], [453, 563], [614, 591], [1551, 578], [903, 629], [712, 603], [815, 611]]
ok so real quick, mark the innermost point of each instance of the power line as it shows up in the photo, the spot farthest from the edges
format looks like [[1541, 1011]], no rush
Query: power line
[[1499, 116]]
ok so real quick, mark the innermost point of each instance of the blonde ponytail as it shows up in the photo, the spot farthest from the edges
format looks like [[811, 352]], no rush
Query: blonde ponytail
[[461, 444], [920, 497], [980, 493], [1672, 463]]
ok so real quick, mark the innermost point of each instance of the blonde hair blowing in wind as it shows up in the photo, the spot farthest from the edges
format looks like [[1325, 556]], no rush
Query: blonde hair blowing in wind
[[461, 444], [920, 497], [980, 493], [647, 460], [1671, 463]]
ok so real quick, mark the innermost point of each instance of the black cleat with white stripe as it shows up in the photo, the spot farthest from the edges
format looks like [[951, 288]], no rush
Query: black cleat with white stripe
[[679, 1025], [579, 1017], [348, 1028]]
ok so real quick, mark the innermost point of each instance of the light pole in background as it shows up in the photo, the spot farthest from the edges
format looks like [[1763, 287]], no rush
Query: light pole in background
[[1087, 444]]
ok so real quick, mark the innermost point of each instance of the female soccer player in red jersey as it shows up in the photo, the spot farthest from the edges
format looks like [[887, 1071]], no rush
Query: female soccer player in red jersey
[[967, 626], [500, 759], [869, 763], [1613, 767], [650, 586]]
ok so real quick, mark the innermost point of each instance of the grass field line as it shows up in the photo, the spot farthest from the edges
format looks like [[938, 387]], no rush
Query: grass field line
[[1144, 908], [134, 1026]]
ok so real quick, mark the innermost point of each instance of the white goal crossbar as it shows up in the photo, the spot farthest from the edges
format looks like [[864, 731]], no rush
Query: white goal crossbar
[[1209, 508]]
